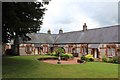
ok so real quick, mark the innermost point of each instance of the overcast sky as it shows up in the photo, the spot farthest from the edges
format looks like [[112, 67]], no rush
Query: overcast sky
[[70, 15]]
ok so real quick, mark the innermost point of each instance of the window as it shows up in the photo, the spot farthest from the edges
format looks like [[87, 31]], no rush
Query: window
[[45, 49], [84, 50], [111, 52], [29, 49]]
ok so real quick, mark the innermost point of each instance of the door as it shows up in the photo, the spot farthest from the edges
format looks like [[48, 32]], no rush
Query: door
[[51, 49], [95, 53], [37, 51]]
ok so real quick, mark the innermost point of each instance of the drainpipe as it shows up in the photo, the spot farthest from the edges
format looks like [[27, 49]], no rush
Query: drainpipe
[[87, 48]]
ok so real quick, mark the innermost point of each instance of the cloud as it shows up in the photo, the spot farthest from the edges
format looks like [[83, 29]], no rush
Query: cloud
[[70, 15], [104, 12]]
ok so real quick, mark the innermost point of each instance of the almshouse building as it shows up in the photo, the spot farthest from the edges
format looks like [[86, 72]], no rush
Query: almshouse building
[[98, 42]]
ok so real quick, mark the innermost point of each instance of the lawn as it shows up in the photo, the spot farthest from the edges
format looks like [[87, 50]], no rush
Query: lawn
[[30, 67]]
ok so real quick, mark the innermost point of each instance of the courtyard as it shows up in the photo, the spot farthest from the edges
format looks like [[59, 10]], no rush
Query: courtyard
[[31, 67], [43, 42]]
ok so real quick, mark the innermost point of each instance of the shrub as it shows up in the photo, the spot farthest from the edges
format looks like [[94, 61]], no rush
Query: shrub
[[104, 58], [53, 54], [89, 58], [67, 55], [110, 60], [115, 59], [70, 55], [62, 54], [48, 54], [59, 50], [83, 57]]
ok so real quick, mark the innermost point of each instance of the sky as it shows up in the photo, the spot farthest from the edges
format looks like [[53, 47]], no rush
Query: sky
[[70, 15]]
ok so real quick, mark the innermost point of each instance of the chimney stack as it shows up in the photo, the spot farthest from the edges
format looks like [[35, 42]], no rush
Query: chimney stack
[[60, 31], [84, 27], [49, 31]]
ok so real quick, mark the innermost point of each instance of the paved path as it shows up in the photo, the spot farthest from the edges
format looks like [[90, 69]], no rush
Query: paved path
[[74, 61]]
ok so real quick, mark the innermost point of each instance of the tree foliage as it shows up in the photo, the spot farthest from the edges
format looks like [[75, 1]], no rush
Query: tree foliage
[[60, 50], [20, 18]]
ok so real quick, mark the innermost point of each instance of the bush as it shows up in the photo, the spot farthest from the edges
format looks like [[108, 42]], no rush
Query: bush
[[115, 59], [67, 55], [110, 60], [48, 54], [104, 58], [62, 54], [70, 55], [53, 54], [89, 58], [59, 50], [83, 58]]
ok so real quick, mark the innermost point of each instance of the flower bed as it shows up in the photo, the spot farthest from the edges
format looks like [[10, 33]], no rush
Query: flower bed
[[114, 59], [87, 58], [63, 56], [67, 56]]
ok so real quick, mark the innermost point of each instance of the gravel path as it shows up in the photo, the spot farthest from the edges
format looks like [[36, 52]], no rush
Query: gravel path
[[74, 61]]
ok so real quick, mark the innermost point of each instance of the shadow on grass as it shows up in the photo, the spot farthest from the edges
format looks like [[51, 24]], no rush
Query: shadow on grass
[[29, 68], [17, 65]]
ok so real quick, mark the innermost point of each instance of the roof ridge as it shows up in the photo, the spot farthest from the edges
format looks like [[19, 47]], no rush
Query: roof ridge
[[82, 30], [93, 29], [94, 36]]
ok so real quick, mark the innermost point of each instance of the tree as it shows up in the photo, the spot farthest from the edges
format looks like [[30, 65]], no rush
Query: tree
[[20, 18], [60, 50]]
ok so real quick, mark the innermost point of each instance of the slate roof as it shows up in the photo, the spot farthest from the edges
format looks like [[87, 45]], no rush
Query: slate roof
[[40, 38], [98, 35]]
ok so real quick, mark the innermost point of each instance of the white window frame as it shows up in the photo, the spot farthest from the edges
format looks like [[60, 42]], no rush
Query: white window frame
[[111, 52], [29, 48]]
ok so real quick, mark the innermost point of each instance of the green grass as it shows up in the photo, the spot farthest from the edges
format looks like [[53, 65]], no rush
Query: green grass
[[30, 67]]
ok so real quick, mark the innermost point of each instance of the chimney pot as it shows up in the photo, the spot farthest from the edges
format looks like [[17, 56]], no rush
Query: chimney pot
[[60, 31], [49, 31], [84, 27]]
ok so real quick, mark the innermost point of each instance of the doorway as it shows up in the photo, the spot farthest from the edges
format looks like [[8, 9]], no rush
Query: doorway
[[95, 53]]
